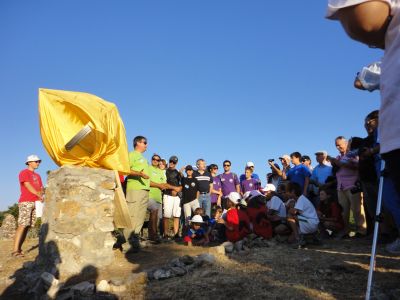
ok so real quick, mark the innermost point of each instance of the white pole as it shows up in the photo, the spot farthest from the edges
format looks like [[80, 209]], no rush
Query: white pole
[[373, 251]]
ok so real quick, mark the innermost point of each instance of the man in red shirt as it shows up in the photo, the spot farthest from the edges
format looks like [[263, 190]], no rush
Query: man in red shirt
[[31, 191]]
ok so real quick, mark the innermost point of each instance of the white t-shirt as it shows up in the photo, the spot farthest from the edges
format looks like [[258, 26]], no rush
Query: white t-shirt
[[307, 209], [276, 204], [389, 125]]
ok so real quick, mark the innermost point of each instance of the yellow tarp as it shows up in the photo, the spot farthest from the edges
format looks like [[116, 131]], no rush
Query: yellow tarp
[[63, 114]]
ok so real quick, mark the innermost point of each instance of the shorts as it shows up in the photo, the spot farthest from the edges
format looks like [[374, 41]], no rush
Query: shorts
[[172, 207], [153, 205], [27, 214], [188, 208], [306, 227]]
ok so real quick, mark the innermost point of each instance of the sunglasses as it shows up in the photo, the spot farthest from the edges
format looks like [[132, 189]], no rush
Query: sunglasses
[[155, 159], [172, 162], [38, 161], [144, 142], [227, 165]]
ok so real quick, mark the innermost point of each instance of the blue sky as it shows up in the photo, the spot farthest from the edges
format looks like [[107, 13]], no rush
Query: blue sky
[[239, 80]]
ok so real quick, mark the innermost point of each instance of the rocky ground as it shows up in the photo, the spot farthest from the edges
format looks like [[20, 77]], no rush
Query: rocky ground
[[333, 270]]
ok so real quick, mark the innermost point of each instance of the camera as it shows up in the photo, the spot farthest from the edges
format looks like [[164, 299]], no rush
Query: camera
[[357, 188], [271, 160]]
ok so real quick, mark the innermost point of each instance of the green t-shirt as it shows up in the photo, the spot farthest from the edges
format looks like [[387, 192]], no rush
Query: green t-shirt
[[137, 162], [157, 176]]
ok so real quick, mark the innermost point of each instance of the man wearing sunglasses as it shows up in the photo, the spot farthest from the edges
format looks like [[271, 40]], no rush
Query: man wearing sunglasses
[[171, 199], [229, 182], [137, 191], [31, 190]]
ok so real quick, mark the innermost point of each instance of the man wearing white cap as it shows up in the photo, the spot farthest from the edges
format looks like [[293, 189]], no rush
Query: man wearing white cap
[[249, 165], [31, 191]]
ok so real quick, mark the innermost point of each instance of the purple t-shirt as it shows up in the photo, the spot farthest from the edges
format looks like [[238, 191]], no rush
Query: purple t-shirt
[[228, 183], [216, 186], [346, 178], [249, 185]]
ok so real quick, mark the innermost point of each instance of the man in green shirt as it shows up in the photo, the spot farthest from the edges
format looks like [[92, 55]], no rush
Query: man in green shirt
[[137, 191]]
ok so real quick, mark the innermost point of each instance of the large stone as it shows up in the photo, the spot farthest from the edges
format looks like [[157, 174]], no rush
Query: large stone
[[7, 229], [78, 219]]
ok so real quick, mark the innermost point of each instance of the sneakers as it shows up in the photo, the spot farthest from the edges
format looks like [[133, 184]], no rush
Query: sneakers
[[134, 243], [394, 247]]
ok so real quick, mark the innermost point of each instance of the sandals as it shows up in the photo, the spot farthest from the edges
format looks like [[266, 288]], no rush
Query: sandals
[[17, 254]]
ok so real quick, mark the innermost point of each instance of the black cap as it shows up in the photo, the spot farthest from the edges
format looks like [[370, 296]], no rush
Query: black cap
[[305, 157], [173, 158], [188, 167]]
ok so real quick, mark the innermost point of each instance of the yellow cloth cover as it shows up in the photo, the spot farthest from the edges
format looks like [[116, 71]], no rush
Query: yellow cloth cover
[[63, 114]]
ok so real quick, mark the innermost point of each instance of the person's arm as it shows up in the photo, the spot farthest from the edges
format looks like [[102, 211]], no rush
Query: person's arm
[[139, 173], [366, 22], [272, 165], [157, 185], [238, 188], [30, 188], [306, 183]]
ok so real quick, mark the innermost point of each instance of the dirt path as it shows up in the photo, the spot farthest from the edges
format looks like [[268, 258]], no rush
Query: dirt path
[[334, 270]]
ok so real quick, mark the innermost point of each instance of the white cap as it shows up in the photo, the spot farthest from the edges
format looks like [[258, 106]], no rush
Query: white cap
[[197, 219], [234, 197], [324, 152], [251, 194], [32, 157], [243, 202], [269, 188], [285, 157], [249, 164]]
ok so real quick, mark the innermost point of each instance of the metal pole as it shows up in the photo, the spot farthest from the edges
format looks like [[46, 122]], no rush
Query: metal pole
[[373, 251]]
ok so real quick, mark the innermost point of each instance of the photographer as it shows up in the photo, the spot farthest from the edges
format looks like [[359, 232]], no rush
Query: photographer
[[273, 177], [377, 24], [349, 195]]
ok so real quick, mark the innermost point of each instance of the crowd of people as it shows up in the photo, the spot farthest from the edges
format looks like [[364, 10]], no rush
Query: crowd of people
[[299, 200], [203, 205]]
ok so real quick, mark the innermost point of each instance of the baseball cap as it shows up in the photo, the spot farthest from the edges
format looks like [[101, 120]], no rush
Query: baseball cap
[[305, 157], [234, 197], [196, 219], [32, 157], [269, 188], [188, 167], [251, 194], [285, 157], [324, 152], [173, 158], [249, 164]]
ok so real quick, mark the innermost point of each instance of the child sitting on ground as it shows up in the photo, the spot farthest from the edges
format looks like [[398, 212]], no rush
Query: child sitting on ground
[[206, 220], [233, 231], [276, 211], [303, 218], [217, 230], [329, 213], [257, 212], [196, 234]]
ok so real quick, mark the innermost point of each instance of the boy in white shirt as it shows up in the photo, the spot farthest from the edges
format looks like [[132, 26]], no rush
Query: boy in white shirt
[[276, 210], [303, 218]]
